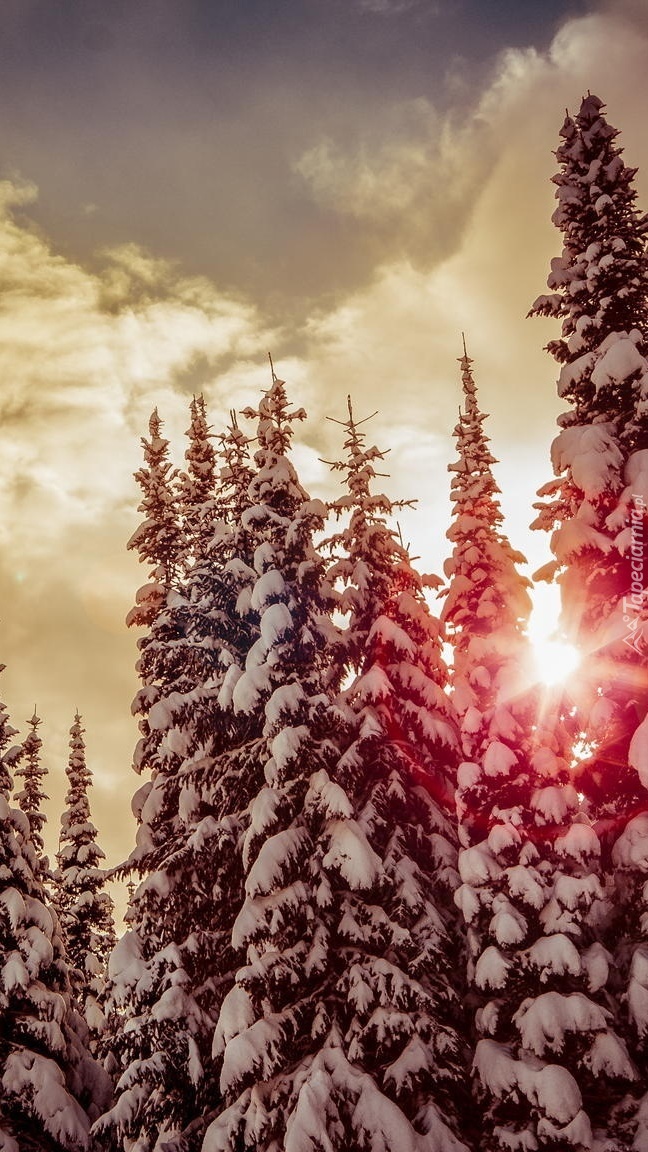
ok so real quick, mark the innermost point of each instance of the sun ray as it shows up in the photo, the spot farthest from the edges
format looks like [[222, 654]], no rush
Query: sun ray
[[554, 659]]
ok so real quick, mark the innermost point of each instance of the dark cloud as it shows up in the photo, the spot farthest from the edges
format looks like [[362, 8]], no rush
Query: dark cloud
[[181, 124]]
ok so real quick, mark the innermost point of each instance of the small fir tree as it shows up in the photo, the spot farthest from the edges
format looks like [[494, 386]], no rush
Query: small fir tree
[[30, 798], [51, 1088], [487, 601], [158, 539], [171, 970], [85, 909], [196, 486], [400, 771]]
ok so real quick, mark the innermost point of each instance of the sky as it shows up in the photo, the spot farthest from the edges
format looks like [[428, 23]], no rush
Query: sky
[[186, 185]]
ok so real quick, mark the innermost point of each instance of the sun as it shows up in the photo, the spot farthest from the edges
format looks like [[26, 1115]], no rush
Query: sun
[[554, 660]]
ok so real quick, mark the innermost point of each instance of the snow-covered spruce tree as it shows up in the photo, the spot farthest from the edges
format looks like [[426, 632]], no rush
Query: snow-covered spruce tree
[[193, 637], [159, 607], [597, 510], [399, 773], [550, 1064], [84, 908], [600, 281], [600, 291], [50, 1087], [158, 539], [327, 1034], [547, 1062], [146, 954], [222, 619], [30, 798], [487, 602], [169, 973], [196, 486], [196, 631]]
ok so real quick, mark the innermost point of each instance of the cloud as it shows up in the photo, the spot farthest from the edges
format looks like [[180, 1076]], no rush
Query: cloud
[[410, 183], [85, 354], [391, 7], [394, 342]]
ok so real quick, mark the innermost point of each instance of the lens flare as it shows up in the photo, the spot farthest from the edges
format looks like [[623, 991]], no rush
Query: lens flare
[[554, 660]]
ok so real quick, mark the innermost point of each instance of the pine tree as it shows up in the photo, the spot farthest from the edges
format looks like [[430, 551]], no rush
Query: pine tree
[[197, 632], [85, 909], [196, 487], [487, 602], [50, 1086], [311, 1033], [160, 608], [146, 974], [550, 1062], [597, 504], [170, 971], [400, 772], [600, 281], [381, 593], [597, 511], [600, 287], [158, 539], [30, 798], [547, 1061]]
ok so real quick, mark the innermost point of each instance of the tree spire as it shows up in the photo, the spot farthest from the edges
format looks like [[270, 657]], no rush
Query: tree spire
[[48, 1077], [471, 408], [84, 907], [30, 798], [196, 486], [158, 539], [486, 599]]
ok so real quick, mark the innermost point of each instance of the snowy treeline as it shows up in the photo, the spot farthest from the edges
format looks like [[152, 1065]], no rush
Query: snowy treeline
[[55, 929], [386, 901]]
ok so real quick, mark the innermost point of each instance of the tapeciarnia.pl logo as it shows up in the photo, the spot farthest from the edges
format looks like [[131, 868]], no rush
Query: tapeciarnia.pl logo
[[634, 603]]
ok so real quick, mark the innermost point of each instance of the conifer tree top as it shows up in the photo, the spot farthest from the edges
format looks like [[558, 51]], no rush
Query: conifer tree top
[[275, 483], [600, 292], [600, 282], [475, 457], [86, 911], [392, 640], [371, 551], [158, 538], [196, 486], [199, 453], [275, 419], [485, 590], [236, 470], [32, 772], [78, 774]]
